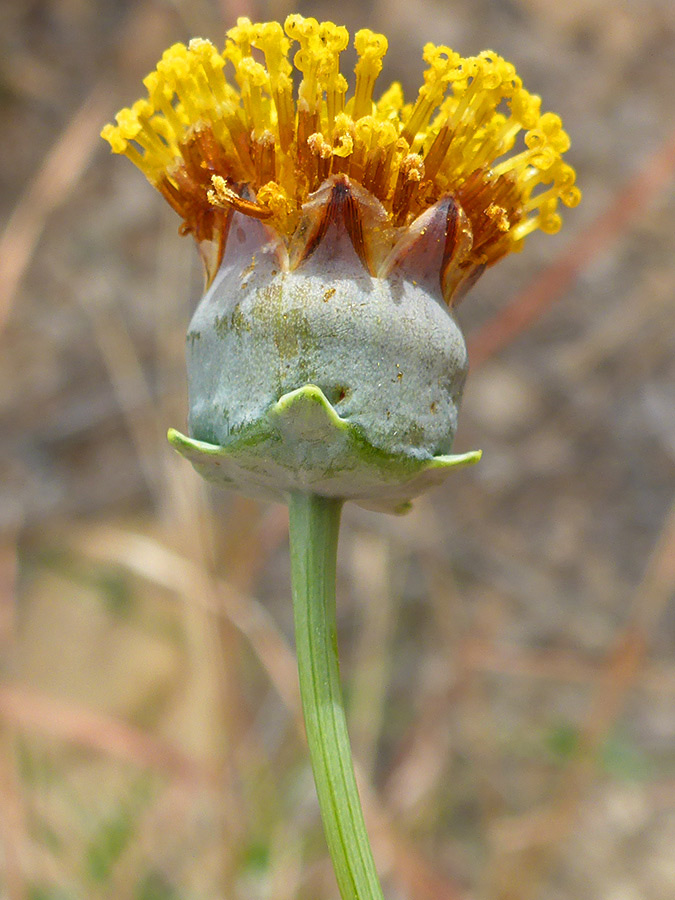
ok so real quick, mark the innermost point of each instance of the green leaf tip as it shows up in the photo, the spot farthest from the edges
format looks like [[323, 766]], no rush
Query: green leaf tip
[[308, 413]]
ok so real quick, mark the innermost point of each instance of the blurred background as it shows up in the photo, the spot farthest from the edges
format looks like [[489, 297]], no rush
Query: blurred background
[[507, 647]]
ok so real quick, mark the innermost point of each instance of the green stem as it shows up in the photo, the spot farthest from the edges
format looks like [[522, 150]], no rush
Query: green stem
[[314, 528]]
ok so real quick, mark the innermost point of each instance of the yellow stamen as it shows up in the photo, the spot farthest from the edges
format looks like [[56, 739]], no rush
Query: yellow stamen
[[223, 196], [371, 47], [275, 45], [215, 122], [444, 65]]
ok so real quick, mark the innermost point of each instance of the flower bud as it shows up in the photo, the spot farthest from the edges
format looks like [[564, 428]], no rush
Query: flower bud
[[324, 377], [337, 234]]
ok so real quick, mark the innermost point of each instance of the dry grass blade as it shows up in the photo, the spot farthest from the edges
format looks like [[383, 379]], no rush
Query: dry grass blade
[[150, 559], [372, 564], [54, 181], [8, 574], [51, 186], [32, 711], [12, 825], [155, 562], [420, 879], [132, 391], [532, 841]]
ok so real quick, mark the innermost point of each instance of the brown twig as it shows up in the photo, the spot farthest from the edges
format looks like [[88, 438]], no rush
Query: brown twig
[[626, 208], [498, 658]]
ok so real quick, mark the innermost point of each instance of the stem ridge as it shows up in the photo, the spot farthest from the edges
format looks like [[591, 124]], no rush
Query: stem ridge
[[314, 530]]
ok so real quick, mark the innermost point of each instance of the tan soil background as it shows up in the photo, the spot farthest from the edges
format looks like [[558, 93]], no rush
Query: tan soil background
[[507, 647]]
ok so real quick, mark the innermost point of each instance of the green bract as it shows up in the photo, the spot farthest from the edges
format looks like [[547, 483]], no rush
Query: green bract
[[307, 372], [302, 443]]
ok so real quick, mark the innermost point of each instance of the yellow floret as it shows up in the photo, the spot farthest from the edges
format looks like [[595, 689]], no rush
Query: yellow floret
[[371, 47], [214, 122]]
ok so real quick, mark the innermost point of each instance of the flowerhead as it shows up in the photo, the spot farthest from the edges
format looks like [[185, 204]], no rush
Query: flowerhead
[[338, 224], [216, 121]]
